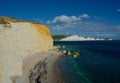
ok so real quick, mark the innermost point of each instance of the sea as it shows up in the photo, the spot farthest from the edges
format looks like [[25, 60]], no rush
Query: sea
[[98, 62]]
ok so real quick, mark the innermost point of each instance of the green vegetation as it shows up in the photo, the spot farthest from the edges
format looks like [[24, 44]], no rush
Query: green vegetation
[[6, 20], [58, 37], [2, 21]]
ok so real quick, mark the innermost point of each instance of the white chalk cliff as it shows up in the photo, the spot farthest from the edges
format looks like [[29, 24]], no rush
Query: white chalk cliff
[[77, 38], [19, 40]]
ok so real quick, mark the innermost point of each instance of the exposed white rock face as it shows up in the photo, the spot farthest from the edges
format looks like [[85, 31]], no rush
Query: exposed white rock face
[[77, 38], [18, 41]]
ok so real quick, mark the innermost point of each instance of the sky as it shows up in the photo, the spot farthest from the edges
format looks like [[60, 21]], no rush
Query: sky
[[91, 18]]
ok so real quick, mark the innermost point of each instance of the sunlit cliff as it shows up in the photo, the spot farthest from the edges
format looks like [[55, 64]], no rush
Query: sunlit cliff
[[19, 40]]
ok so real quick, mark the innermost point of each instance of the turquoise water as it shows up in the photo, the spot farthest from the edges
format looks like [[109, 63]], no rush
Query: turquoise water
[[99, 62]]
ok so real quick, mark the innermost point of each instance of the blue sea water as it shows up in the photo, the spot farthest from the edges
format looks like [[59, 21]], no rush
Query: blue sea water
[[98, 62]]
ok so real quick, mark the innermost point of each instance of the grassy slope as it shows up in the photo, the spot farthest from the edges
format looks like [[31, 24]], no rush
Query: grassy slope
[[58, 37]]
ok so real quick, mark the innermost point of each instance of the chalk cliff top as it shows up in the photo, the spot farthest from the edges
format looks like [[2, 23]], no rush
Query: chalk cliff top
[[6, 20]]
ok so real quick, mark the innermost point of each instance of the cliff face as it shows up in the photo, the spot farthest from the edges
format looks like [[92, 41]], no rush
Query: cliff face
[[19, 40]]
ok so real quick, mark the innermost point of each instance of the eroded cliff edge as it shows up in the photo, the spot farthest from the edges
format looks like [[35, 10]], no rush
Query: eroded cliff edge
[[20, 45]]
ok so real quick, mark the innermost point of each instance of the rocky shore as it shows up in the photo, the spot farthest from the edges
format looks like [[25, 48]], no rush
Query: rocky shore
[[40, 68], [46, 70]]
